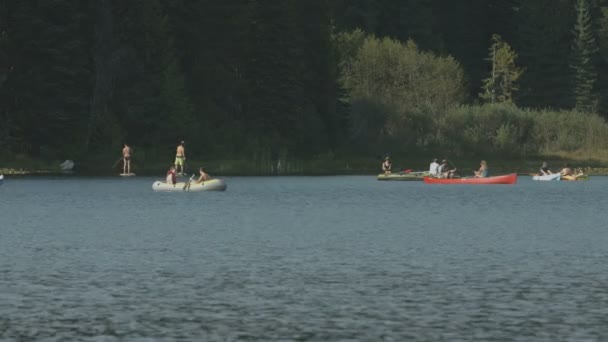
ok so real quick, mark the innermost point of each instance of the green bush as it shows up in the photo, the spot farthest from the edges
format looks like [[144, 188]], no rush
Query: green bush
[[507, 130]]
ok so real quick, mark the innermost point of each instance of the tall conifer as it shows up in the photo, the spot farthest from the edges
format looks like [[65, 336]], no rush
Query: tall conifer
[[584, 52], [504, 74]]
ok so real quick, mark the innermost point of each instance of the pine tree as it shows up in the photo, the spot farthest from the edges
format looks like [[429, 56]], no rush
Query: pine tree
[[542, 40], [584, 52], [47, 93], [501, 84]]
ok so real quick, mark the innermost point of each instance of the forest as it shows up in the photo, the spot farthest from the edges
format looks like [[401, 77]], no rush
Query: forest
[[259, 81]]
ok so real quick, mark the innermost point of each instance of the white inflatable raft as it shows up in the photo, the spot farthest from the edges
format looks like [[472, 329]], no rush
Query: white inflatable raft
[[210, 185]]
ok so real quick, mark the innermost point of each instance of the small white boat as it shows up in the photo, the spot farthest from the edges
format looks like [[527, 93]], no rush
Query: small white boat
[[551, 177], [210, 185]]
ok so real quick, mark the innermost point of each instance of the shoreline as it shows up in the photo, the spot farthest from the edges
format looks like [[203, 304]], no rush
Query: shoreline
[[600, 172], [313, 167]]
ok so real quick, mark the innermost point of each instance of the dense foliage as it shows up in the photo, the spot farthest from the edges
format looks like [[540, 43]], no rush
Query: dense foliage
[[269, 79]]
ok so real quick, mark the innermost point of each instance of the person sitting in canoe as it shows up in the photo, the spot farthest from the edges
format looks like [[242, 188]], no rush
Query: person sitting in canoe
[[544, 169], [566, 171], [433, 168], [386, 166], [443, 171], [483, 170], [204, 176], [171, 175]]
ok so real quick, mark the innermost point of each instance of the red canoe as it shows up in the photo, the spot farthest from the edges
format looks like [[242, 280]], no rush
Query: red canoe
[[504, 179]]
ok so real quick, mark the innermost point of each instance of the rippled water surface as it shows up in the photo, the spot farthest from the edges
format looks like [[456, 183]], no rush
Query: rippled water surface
[[303, 258]]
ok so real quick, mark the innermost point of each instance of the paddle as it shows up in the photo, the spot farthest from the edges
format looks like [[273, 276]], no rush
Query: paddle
[[119, 159], [187, 185], [402, 171]]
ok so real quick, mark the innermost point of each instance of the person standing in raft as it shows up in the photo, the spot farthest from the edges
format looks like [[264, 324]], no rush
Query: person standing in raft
[[386, 166], [171, 175], [180, 157], [126, 159]]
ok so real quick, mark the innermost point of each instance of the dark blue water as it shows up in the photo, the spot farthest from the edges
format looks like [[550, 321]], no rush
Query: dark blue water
[[303, 258]]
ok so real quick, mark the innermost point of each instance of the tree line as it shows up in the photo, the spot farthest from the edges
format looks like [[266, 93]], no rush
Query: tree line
[[263, 79]]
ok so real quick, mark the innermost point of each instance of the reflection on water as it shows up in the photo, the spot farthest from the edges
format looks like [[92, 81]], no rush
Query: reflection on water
[[302, 258]]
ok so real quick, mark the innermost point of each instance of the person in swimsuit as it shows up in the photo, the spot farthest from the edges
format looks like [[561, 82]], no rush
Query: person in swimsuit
[[566, 171], [126, 159], [180, 157], [171, 175], [483, 170], [386, 166]]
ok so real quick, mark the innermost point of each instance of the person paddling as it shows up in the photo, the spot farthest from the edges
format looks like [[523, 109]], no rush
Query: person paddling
[[444, 171], [126, 159], [180, 157], [544, 169]]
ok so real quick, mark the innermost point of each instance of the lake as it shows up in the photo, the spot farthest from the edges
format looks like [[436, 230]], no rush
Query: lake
[[304, 259]]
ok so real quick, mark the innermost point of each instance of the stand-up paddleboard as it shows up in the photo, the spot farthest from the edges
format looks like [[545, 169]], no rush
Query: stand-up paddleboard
[[127, 174]]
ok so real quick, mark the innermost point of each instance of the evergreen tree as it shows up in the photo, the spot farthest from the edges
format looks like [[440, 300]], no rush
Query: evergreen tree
[[47, 92], [543, 39], [462, 25], [501, 84], [600, 19], [413, 19], [150, 91], [349, 15], [584, 53]]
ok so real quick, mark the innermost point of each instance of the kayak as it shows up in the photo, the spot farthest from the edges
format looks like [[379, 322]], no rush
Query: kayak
[[210, 185], [503, 179], [404, 176], [572, 178], [553, 176]]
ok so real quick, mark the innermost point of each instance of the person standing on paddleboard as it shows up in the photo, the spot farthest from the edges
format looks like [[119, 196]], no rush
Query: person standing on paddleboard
[[126, 159], [180, 157]]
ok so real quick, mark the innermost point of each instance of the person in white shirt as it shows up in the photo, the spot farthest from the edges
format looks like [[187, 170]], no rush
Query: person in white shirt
[[433, 169], [443, 171]]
